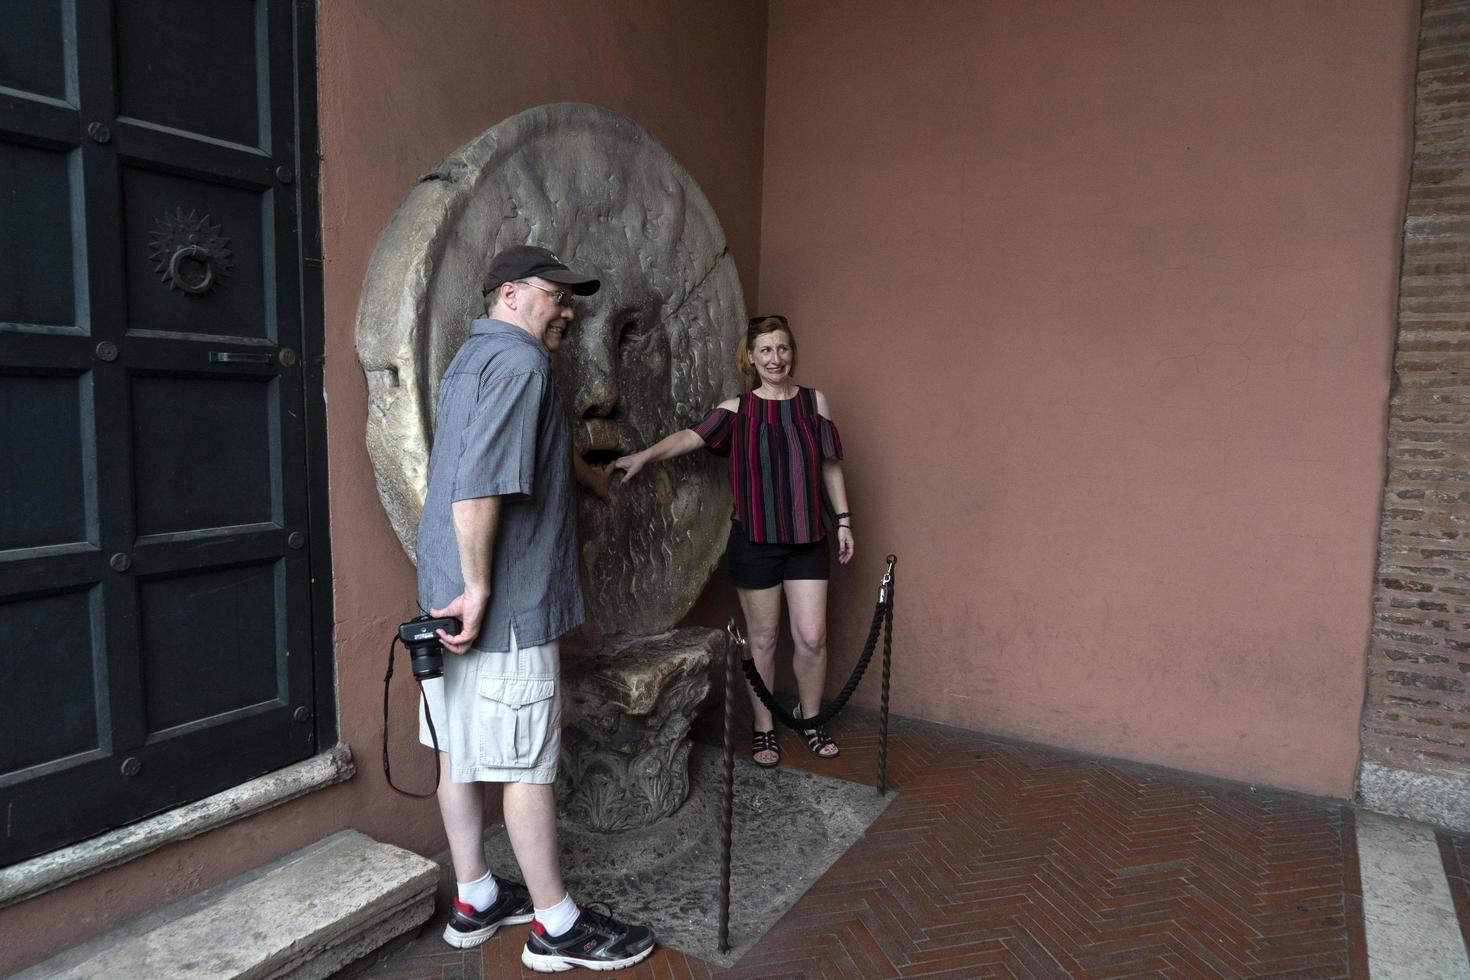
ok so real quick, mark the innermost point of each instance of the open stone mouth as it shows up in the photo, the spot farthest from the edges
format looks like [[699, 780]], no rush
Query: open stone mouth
[[600, 437]]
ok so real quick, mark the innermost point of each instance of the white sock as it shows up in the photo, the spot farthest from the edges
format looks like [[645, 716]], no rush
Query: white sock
[[560, 917], [481, 893]]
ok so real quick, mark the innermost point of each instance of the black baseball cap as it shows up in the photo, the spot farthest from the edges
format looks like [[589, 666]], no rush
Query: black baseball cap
[[524, 261]]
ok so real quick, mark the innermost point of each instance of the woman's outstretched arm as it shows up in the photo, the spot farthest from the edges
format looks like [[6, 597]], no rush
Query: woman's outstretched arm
[[669, 447]]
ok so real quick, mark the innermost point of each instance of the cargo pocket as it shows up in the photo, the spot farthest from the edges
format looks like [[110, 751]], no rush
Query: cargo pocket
[[515, 720]]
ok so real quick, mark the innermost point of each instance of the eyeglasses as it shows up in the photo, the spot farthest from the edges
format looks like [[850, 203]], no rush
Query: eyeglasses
[[561, 297]]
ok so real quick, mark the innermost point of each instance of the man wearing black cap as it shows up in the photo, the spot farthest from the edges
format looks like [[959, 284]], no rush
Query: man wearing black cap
[[497, 549]]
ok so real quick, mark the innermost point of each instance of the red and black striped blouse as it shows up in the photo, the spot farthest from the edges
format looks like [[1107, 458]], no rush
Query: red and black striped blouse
[[776, 450]]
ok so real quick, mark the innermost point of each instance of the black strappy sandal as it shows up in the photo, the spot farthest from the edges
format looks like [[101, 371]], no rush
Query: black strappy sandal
[[765, 742], [817, 738]]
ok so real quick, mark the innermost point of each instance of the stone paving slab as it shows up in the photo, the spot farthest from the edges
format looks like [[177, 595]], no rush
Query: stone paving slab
[[301, 917], [1413, 931]]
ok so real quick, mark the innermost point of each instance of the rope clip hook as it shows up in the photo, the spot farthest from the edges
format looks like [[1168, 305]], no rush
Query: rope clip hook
[[882, 589], [733, 634]]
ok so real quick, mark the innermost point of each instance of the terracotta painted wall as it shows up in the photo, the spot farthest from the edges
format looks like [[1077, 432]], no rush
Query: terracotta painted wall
[[1103, 298], [402, 85]]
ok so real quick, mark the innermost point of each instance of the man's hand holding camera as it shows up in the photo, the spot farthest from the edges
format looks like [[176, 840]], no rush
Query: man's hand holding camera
[[475, 523], [469, 608]]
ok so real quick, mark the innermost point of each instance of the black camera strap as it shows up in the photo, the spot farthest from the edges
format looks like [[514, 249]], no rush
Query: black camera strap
[[428, 715]]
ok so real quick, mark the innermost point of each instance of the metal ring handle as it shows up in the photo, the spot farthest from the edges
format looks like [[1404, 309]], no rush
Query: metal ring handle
[[199, 254]]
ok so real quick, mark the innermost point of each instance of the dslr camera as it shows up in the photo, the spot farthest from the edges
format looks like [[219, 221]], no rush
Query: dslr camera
[[421, 637]]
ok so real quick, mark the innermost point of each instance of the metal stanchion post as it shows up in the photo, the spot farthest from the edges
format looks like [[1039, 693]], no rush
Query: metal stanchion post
[[885, 594], [733, 639]]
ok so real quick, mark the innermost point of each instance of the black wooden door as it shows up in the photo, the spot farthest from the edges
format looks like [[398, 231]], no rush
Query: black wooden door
[[156, 642]]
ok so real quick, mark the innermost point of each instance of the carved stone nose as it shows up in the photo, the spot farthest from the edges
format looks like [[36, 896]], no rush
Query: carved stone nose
[[597, 398], [597, 391]]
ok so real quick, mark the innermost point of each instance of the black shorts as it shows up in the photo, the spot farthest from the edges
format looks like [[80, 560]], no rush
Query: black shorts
[[763, 566]]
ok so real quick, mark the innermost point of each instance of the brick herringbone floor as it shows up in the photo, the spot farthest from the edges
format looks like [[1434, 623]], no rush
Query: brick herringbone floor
[[1008, 860]]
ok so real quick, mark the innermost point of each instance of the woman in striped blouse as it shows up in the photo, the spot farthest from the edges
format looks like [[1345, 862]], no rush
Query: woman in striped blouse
[[784, 452]]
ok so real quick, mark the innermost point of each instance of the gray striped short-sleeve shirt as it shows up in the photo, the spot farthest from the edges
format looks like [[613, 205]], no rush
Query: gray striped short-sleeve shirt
[[500, 431]]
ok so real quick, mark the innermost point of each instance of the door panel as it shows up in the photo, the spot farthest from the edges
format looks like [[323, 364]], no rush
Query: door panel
[[44, 500], [193, 634], [62, 627], [156, 631], [33, 47], [219, 433], [168, 213], [37, 271], [211, 82]]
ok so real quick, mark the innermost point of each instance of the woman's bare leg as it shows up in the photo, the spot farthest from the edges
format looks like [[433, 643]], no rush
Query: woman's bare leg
[[762, 609], [806, 600]]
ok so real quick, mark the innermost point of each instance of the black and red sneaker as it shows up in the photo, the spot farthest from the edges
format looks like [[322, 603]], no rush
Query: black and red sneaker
[[595, 941], [512, 906]]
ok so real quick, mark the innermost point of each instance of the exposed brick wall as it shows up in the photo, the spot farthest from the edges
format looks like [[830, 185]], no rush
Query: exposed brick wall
[[1417, 716]]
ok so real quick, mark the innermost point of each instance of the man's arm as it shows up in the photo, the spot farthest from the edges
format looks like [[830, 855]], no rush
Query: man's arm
[[597, 479], [475, 522]]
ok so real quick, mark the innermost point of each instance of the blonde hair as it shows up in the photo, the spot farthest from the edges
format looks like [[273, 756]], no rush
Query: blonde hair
[[756, 326]]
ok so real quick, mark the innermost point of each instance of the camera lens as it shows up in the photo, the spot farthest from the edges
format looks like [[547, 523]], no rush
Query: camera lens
[[427, 660]]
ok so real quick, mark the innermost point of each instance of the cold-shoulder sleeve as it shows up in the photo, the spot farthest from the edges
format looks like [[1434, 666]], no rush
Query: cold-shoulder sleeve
[[831, 441], [716, 429]]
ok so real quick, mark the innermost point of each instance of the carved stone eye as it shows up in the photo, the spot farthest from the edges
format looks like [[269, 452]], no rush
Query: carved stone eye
[[631, 333], [638, 340]]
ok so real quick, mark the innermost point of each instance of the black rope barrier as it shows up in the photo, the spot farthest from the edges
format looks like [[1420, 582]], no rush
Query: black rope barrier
[[732, 640], [882, 613], [887, 674], [882, 620]]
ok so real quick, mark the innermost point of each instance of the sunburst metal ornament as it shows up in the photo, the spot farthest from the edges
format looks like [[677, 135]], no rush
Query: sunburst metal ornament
[[189, 253]]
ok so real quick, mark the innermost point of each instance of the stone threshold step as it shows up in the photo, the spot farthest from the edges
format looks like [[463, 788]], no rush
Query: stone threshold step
[[303, 916]]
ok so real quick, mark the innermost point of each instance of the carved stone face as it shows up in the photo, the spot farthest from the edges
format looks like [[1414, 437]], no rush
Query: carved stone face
[[651, 352], [629, 374]]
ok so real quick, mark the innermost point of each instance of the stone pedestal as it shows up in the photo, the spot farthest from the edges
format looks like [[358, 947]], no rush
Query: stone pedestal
[[625, 737]]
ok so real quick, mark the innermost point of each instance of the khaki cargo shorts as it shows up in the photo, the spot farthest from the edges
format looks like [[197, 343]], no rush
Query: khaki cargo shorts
[[498, 714]]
